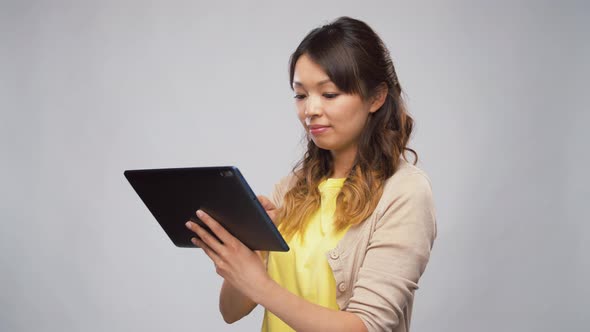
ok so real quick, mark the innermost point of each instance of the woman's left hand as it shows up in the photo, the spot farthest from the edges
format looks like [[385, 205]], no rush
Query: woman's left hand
[[241, 267]]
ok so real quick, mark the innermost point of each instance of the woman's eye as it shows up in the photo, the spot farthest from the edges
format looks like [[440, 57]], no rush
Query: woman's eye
[[330, 95], [299, 97]]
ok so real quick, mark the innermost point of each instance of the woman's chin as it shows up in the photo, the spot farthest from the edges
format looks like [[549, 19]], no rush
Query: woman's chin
[[324, 145]]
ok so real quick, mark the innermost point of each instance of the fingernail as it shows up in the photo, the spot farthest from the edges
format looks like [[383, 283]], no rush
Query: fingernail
[[199, 213], [188, 224]]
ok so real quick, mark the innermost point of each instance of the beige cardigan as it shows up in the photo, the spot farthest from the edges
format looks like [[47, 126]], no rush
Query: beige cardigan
[[378, 263]]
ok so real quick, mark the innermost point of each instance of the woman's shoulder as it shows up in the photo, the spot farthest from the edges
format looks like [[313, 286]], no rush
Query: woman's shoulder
[[408, 172], [408, 181]]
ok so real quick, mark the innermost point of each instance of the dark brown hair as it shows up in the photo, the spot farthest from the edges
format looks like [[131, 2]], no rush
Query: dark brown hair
[[357, 62]]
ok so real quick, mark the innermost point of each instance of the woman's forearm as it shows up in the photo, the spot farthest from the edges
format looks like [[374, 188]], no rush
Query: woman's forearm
[[302, 315], [233, 304]]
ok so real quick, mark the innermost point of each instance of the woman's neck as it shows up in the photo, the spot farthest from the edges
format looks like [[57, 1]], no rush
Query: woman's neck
[[343, 161]]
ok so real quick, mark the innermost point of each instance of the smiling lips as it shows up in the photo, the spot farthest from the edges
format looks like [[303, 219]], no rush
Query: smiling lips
[[317, 129]]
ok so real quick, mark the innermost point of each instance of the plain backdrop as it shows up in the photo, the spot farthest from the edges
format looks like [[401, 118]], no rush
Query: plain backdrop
[[88, 89]]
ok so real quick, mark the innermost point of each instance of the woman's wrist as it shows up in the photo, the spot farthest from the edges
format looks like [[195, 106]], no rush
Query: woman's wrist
[[263, 290]]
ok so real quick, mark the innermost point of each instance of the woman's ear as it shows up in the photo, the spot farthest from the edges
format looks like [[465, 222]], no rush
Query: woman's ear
[[379, 98]]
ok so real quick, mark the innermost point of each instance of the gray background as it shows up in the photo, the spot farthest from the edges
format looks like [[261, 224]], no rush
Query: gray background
[[89, 89]]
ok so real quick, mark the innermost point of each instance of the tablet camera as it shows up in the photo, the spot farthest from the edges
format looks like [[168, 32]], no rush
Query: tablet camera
[[227, 174]]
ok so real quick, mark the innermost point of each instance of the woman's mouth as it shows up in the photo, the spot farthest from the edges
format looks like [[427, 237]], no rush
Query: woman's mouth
[[318, 129]]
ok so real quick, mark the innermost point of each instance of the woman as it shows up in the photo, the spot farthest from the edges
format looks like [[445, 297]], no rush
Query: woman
[[359, 218]]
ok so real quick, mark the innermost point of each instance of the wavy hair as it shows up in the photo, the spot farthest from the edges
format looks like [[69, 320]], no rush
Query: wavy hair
[[357, 62]]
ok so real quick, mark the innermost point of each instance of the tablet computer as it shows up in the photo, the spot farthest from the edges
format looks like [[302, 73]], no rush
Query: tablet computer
[[173, 195]]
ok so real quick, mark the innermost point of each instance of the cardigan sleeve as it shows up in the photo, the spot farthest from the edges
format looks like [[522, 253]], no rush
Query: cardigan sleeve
[[397, 254]]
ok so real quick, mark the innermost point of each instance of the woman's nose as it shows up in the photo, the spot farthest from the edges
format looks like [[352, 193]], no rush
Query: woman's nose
[[314, 106]]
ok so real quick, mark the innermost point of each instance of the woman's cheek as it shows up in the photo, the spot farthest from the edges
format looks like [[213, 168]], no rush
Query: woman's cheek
[[301, 114]]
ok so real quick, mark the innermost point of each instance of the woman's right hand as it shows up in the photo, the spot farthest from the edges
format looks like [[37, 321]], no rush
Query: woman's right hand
[[233, 304]]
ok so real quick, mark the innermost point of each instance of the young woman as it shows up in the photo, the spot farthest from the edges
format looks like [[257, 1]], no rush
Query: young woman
[[358, 217]]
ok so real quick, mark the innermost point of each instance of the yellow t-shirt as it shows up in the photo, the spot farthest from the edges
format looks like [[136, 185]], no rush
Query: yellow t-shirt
[[304, 269]]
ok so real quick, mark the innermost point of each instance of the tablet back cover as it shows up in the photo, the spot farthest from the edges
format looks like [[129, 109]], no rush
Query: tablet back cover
[[173, 195]]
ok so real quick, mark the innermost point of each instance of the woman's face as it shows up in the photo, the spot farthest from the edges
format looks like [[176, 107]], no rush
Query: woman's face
[[333, 119]]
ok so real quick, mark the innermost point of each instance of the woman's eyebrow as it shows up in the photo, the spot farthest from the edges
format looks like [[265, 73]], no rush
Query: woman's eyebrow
[[317, 84]]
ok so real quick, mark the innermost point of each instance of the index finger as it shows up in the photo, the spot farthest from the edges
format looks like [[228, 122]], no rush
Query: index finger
[[216, 227]]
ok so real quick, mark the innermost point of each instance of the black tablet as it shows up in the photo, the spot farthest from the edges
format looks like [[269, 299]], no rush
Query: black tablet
[[173, 195]]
